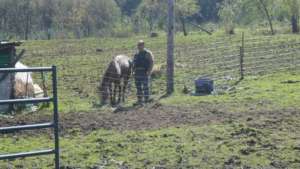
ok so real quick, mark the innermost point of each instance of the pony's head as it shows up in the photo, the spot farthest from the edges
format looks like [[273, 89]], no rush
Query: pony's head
[[103, 91]]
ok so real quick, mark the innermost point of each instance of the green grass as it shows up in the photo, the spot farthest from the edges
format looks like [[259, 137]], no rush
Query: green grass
[[210, 146], [213, 145], [81, 67], [258, 143], [268, 91]]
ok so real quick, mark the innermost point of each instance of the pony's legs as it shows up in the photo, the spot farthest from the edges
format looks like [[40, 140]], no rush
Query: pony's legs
[[120, 92], [115, 94], [110, 94], [124, 89]]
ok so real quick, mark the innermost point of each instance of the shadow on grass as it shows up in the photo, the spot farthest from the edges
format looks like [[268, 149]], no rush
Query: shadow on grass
[[238, 82]]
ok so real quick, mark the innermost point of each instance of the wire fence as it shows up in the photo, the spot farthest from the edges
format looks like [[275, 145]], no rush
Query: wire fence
[[224, 59]]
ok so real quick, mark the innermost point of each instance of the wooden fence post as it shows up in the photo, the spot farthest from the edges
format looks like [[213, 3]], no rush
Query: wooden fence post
[[170, 50], [242, 54]]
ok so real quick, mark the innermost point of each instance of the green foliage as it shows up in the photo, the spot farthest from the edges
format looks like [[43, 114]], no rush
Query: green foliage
[[186, 8], [45, 19], [128, 7], [249, 12], [155, 11], [293, 13], [103, 13], [229, 13], [292, 6], [208, 11], [246, 12], [58, 18]]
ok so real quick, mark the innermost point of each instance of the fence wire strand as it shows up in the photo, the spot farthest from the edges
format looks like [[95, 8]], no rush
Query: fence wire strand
[[219, 59]]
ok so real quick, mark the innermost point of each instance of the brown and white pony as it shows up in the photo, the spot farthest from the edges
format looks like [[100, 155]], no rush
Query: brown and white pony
[[115, 79]]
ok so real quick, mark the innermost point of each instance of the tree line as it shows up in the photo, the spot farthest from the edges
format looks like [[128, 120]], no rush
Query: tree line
[[46, 19], [247, 12]]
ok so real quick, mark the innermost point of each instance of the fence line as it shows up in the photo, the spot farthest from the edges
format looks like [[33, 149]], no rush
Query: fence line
[[219, 59]]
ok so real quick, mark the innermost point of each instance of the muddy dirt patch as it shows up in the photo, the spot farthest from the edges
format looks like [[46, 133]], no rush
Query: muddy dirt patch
[[152, 116]]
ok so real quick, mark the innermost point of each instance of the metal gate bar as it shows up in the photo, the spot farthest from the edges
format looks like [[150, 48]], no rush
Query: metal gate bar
[[25, 127], [27, 154], [54, 124], [24, 101]]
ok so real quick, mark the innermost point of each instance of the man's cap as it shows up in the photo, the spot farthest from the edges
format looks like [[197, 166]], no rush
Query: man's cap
[[141, 42]]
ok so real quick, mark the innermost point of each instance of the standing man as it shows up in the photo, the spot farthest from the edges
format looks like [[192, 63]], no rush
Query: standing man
[[142, 67]]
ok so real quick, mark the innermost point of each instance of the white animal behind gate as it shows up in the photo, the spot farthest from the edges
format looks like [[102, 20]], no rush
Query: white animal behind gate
[[24, 85]]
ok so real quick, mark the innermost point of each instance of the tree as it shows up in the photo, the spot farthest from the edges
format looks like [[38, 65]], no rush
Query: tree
[[16, 17], [27, 14], [264, 7], [234, 12], [152, 11], [80, 18], [229, 13], [103, 15], [293, 13], [208, 11], [155, 11], [63, 17], [128, 10], [23, 18], [47, 11], [128, 7], [183, 9]]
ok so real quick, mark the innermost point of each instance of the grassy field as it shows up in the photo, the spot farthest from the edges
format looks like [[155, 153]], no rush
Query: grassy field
[[254, 124], [81, 67]]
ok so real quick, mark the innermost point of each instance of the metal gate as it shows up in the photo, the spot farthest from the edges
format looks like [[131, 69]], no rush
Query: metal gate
[[53, 124]]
